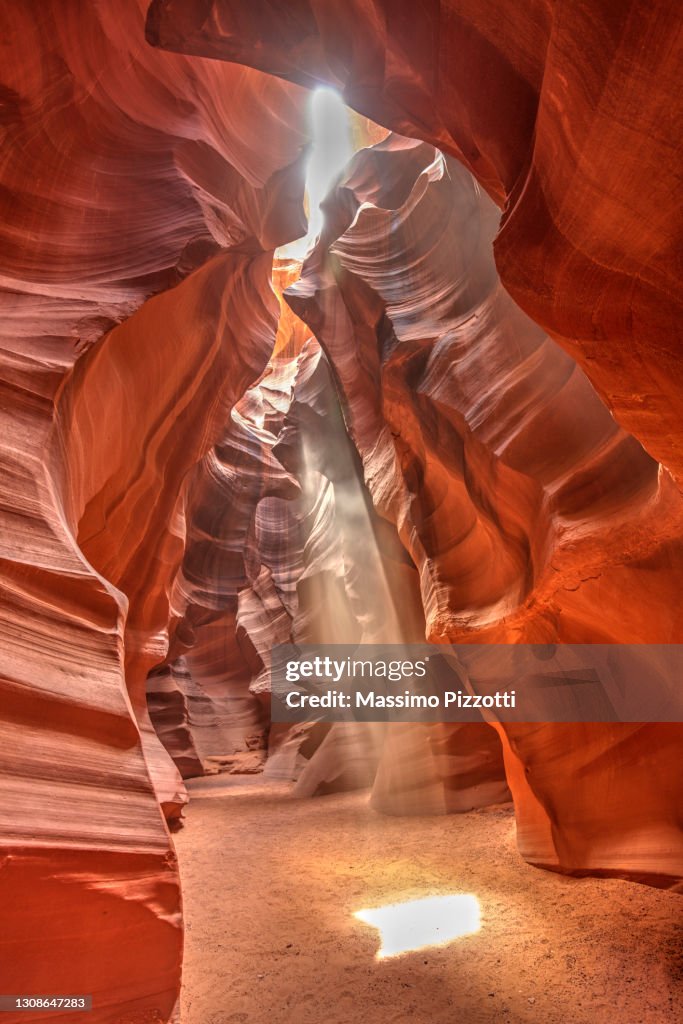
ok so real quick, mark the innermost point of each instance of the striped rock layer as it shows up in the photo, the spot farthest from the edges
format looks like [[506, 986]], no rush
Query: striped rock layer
[[453, 425]]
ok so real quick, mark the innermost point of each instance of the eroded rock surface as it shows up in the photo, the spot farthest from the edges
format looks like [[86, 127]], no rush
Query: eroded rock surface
[[192, 474], [567, 114], [125, 175], [527, 511]]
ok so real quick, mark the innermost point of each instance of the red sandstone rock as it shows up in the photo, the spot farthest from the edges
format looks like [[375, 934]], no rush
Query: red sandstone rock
[[168, 705], [142, 194], [524, 507], [569, 116], [125, 171], [282, 546]]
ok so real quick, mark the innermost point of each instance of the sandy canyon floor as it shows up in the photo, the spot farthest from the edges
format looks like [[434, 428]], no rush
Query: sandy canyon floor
[[271, 885]]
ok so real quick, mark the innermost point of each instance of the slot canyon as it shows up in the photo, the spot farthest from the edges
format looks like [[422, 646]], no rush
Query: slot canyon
[[344, 322]]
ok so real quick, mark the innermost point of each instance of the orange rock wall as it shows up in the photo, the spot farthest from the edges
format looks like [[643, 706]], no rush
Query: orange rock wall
[[569, 116], [526, 509], [125, 173], [142, 195], [528, 513]]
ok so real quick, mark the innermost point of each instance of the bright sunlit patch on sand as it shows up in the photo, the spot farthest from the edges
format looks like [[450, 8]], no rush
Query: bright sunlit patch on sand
[[417, 924]]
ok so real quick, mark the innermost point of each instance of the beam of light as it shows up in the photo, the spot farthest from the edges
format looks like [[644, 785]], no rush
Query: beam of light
[[378, 616], [331, 150], [417, 924]]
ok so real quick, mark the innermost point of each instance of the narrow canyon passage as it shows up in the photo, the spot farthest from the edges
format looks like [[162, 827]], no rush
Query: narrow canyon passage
[[271, 885], [329, 327]]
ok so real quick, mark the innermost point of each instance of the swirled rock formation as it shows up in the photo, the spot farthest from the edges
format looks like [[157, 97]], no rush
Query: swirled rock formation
[[282, 545], [192, 473], [458, 404], [137, 215], [567, 115], [524, 507]]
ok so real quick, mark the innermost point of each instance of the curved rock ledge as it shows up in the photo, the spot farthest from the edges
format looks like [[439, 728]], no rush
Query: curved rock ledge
[[566, 114], [125, 173], [193, 473]]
